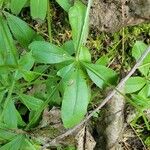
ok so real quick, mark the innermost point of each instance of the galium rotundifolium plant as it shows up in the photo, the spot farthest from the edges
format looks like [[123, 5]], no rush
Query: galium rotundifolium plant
[[76, 70], [27, 60]]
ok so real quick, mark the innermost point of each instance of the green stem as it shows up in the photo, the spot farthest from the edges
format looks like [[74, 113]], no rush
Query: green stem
[[9, 94], [123, 45], [146, 122], [49, 18]]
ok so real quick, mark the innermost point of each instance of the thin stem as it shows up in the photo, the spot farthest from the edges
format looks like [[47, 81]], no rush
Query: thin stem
[[49, 18], [123, 45], [24, 85], [146, 122], [123, 30]]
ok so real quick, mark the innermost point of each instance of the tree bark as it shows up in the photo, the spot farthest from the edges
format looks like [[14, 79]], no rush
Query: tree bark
[[112, 15]]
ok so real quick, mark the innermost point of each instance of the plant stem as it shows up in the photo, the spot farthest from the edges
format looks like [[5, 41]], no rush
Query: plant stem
[[49, 21], [9, 94]]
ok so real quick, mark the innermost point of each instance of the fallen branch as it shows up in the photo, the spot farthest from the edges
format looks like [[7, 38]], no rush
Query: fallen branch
[[107, 99]]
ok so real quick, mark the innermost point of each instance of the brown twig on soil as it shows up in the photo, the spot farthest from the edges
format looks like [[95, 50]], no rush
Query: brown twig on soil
[[106, 100]]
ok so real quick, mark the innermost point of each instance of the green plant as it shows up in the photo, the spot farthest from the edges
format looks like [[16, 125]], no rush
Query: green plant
[[139, 86], [38, 8], [73, 73], [66, 70]]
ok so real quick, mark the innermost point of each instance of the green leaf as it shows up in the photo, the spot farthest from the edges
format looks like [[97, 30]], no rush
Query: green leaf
[[20, 29], [2, 93], [3, 126], [145, 91], [69, 47], [48, 53], [26, 62], [31, 102], [104, 60], [77, 15], [45, 104], [143, 103], [101, 75], [137, 51], [38, 9], [147, 141], [75, 100], [65, 70], [134, 84], [14, 144], [10, 116], [17, 5], [7, 47], [1, 3], [26, 145], [28, 75], [84, 54], [6, 135], [19, 119], [65, 73], [65, 4], [50, 85]]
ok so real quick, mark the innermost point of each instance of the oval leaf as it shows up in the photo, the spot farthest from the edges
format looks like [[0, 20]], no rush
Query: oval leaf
[[65, 4], [48, 53], [10, 115], [7, 46], [15, 144], [6, 135], [20, 29], [143, 103], [31, 102], [85, 54], [134, 84], [69, 47], [75, 100], [17, 5], [145, 91], [101, 75], [137, 51], [76, 17], [38, 9]]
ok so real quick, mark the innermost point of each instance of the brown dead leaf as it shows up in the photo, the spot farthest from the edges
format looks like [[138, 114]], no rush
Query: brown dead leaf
[[85, 140]]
